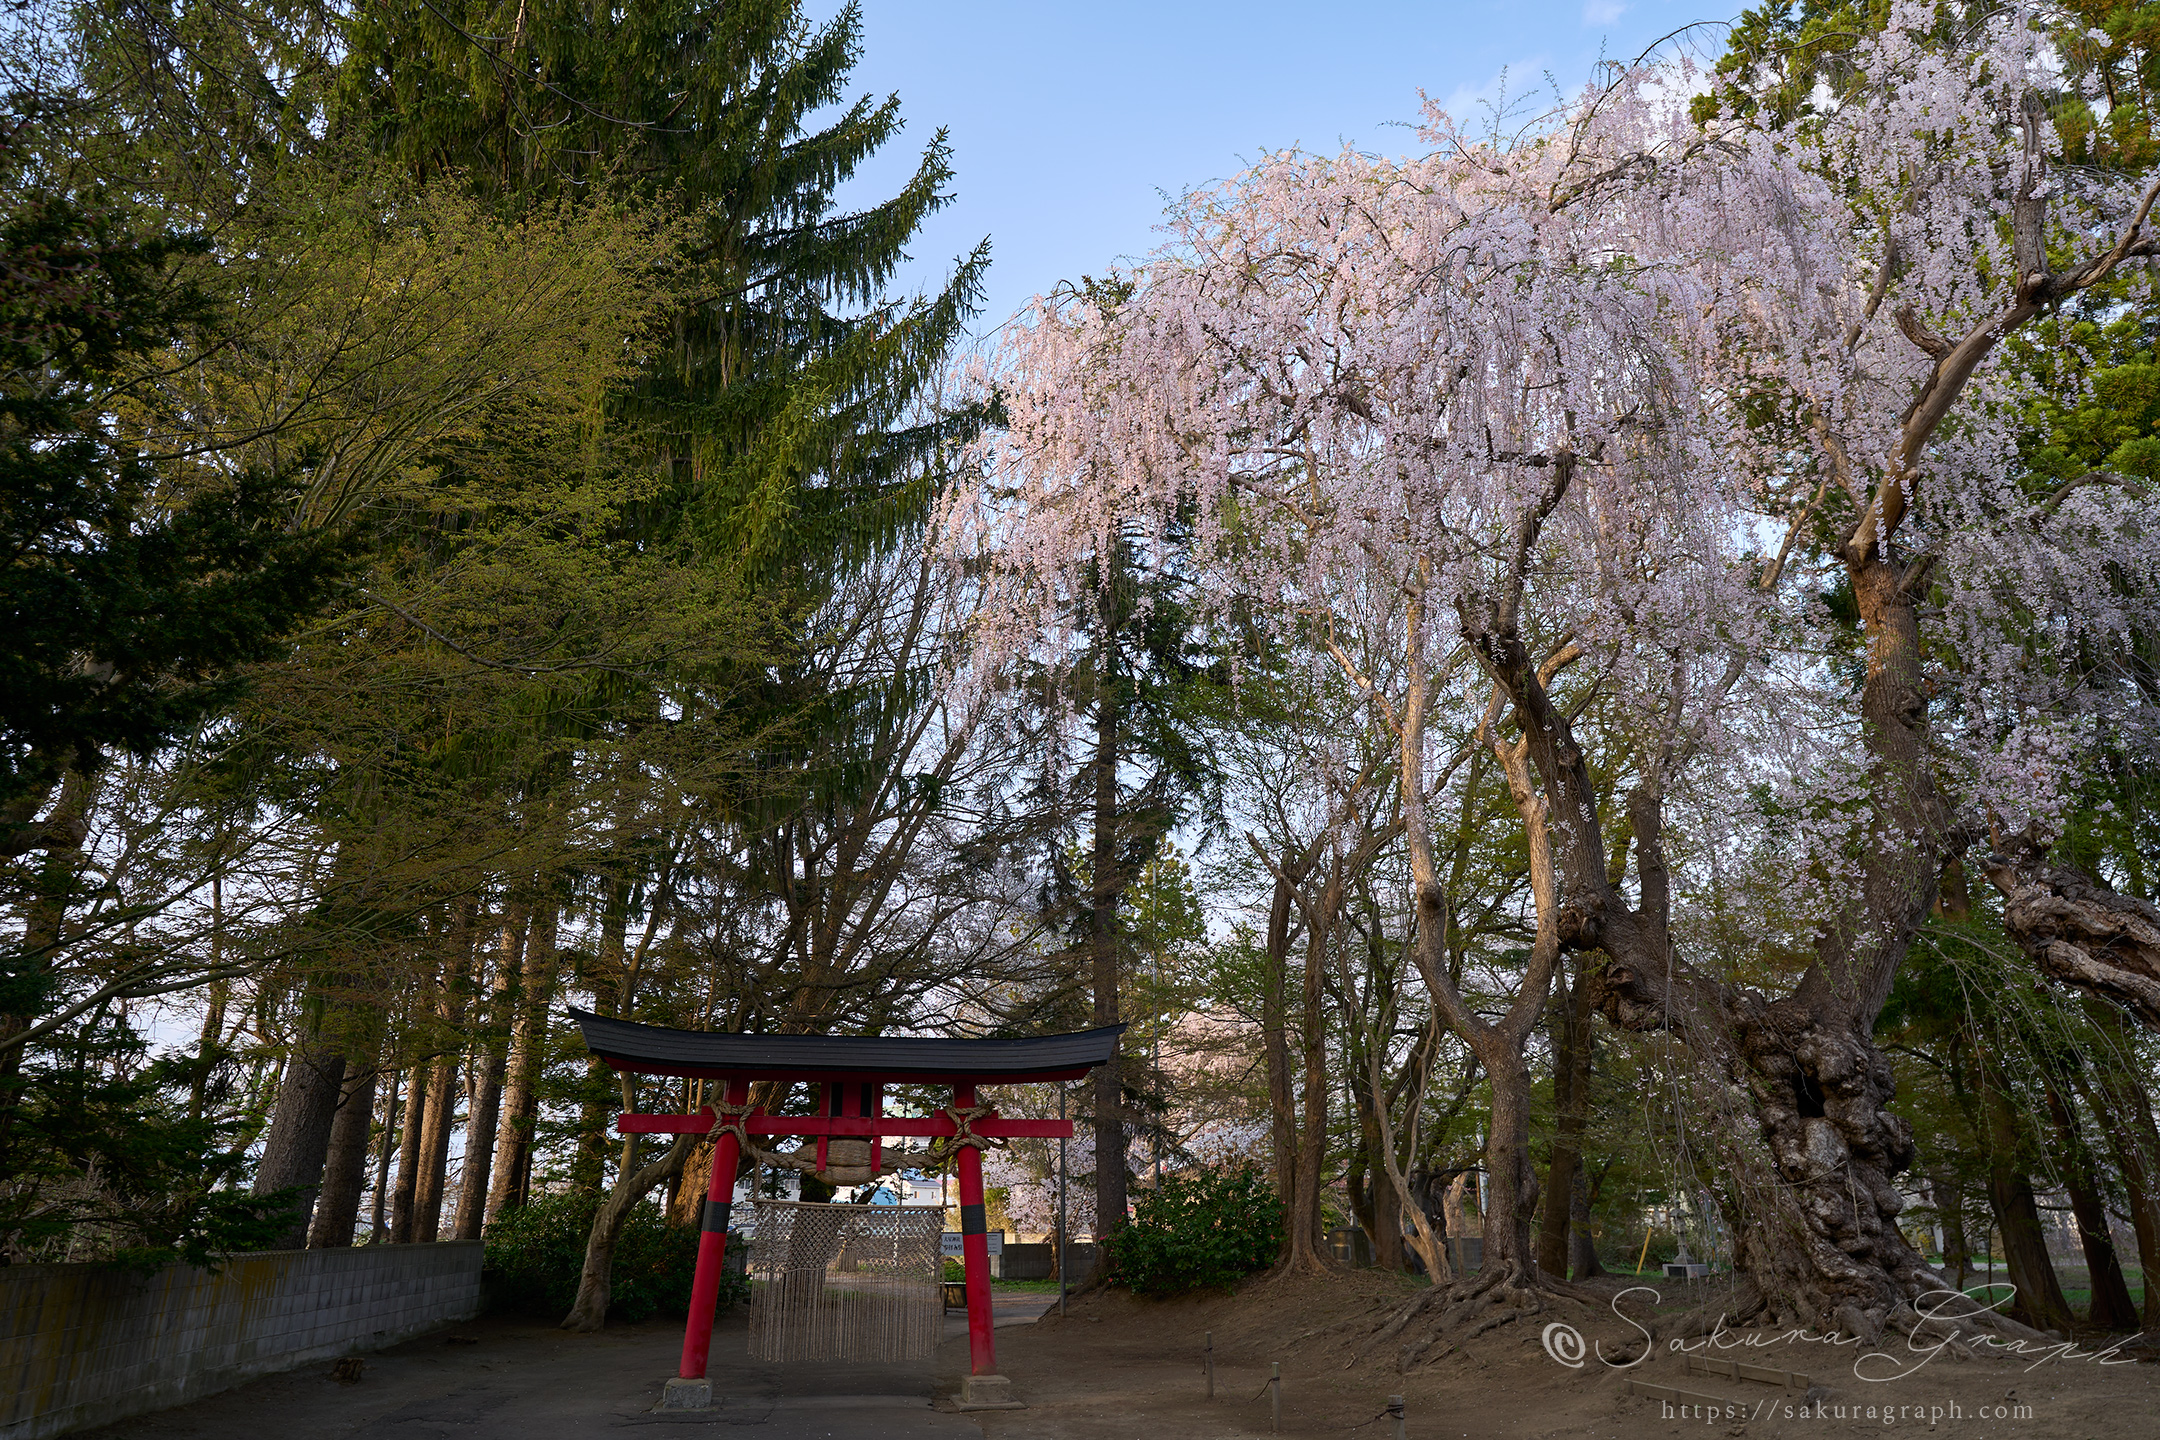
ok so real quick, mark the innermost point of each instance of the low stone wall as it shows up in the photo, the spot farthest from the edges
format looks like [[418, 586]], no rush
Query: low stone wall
[[83, 1345], [1039, 1262]]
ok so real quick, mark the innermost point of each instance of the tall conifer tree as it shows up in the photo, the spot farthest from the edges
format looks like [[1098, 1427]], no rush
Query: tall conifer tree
[[785, 409]]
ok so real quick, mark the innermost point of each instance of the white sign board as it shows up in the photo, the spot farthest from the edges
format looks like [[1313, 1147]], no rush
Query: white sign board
[[949, 1243]]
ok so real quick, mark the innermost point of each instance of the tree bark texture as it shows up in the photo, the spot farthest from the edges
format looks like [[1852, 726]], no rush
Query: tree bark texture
[[1570, 1011], [489, 1069], [2080, 932], [384, 1147], [2038, 1298], [1950, 1215], [345, 1167], [434, 1158], [2111, 1307], [1308, 1231], [596, 1277], [299, 1137], [2134, 1141], [520, 1106], [405, 1195], [1582, 1246], [444, 1081]]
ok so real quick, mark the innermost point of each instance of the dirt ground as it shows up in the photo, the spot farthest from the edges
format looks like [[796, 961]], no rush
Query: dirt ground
[[1118, 1367]]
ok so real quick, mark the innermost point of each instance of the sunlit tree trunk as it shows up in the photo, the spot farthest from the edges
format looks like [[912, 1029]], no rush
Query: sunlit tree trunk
[[489, 1068], [405, 1195], [520, 1107]]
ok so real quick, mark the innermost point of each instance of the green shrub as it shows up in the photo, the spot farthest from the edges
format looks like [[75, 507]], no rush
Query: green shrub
[[1204, 1230], [535, 1253]]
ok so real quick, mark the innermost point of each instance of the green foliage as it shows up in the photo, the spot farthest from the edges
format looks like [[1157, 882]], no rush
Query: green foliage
[[135, 589], [787, 411], [1201, 1230], [535, 1253], [104, 1159]]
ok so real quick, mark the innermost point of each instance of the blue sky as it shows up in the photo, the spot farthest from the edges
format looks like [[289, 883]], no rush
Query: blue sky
[[1069, 120]]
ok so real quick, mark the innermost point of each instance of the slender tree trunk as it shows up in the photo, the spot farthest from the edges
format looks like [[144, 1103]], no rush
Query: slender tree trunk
[[488, 1071], [521, 1098], [632, 1183], [405, 1197], [345, 1167], [588, 1167], [2134, 1141], [1582, 1246], [1106, 889], [380, 1232], [1275, 1047], [1511, 1185], [2111, 1307], [444, 1082], [2039, 1300], [1950, 1214], [1308, 1233], [206, 1045], [435, 1149], [299, 1138], [1387, 1235]]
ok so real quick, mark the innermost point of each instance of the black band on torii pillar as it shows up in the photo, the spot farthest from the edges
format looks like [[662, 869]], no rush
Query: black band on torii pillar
[[715, 1217], [971, 1220]]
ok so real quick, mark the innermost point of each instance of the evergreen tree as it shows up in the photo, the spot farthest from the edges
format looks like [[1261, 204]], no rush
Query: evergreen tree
[[787, 410]]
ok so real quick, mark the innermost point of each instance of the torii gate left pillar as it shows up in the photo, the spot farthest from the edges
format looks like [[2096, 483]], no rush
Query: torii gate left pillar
[[964, 1120]]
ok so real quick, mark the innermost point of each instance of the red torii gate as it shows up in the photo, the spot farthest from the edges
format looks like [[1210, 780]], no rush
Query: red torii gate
[[852, 1072]]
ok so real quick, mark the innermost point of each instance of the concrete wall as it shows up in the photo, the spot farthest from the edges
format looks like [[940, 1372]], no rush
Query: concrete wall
[[82, 1345]]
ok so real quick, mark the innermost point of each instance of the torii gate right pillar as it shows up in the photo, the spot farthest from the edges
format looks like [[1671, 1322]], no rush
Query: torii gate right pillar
[[975, 1257]]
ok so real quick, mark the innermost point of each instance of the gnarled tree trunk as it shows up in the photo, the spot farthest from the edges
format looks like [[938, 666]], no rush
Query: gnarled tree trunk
[[2080, 932], [596, 1278]]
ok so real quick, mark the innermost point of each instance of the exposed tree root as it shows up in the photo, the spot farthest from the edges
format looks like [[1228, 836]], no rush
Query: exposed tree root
[[1467, 1309]]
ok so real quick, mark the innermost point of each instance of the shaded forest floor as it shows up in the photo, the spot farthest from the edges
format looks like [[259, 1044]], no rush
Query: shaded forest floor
[[1120, 1368], [1117, 1366]]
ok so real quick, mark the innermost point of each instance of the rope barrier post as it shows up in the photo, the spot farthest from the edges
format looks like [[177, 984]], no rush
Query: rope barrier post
[[1210, 1349], [1395, 1413], [690, 1389], [1275, 1392]]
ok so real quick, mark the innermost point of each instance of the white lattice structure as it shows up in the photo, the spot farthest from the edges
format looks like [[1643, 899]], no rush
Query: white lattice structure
[[846, 1282]]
